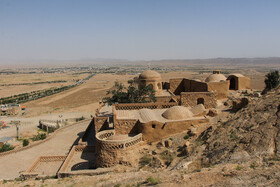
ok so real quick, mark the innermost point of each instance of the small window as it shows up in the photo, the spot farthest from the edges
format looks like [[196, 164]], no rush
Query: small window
[[153, 126], [200, 101]]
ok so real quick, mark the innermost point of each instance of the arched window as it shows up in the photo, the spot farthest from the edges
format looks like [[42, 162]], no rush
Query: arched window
[[151, 85]]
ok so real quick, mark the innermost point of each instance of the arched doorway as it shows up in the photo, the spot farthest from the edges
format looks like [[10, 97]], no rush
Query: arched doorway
[[200, 101], [232, 84]]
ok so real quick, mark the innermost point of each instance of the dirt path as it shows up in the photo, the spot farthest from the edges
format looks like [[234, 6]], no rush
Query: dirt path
[[12, 164]]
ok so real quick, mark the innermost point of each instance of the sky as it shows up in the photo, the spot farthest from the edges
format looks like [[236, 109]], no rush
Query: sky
[[138, 29]]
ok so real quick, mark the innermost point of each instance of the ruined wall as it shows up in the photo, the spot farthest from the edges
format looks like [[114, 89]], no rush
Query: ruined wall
[[125, 126], [219, 88], [189, 99], [156, 131], [244, 83]]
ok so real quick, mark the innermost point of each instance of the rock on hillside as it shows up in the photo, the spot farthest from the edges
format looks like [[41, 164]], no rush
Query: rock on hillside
[[251, 133]]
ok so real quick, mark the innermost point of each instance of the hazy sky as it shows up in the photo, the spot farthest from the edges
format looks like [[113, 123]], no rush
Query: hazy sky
[[138, 29]]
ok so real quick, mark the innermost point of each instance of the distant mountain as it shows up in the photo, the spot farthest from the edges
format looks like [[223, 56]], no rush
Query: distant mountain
[[223, 61], [232, 62]]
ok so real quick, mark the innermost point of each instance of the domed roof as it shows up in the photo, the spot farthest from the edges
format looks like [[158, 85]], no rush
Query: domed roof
[[215, 78], [236, 75], [177, 113], [149, 74]]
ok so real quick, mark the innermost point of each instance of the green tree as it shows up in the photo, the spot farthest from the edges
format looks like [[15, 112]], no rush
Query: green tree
[[6, 147], [272, 80], [25, 142], [121, 94]]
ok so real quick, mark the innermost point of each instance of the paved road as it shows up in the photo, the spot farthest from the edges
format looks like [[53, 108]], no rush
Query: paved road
[[12, 164]]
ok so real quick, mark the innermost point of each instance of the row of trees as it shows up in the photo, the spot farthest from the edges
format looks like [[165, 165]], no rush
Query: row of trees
[[24, 97]]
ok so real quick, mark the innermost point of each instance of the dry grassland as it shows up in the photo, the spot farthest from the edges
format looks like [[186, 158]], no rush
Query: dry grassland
[[83, 98]]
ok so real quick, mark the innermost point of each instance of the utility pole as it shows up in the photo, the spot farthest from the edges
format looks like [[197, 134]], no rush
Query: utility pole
[[17, 131], [17, 123]]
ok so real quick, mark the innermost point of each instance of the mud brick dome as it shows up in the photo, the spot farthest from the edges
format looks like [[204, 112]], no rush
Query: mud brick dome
[[177, 113], [215, 78]]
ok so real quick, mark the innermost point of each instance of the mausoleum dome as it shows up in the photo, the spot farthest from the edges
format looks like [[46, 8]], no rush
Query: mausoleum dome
[[150, 74], [215, 78], [177, 113]]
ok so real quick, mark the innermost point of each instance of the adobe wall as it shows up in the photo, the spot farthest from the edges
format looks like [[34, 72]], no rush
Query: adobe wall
[[112, 152], [109, 158], [100, 124], [189, 99], [194, 86], [156, 131], [187, 85], [244, 83], [176, 86], [219, 88], [125, 126]]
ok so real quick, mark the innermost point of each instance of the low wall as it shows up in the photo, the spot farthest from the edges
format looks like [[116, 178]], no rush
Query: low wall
[[114, 145], [32, 173], [63, 172], [41, 141], [138, 106], [88, 137]]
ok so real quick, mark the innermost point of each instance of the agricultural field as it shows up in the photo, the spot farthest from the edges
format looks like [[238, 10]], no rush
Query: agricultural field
[[14, 84]]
